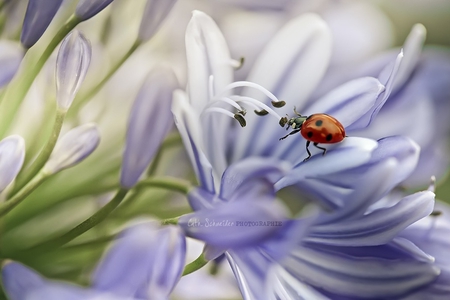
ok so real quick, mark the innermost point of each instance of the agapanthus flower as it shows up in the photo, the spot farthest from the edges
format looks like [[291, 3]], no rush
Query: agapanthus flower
[[356, 252], [152, 259]]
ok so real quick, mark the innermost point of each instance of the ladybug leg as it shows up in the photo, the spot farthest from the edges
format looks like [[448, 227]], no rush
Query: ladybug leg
[[292, 132], [307, 150], [321, 148]]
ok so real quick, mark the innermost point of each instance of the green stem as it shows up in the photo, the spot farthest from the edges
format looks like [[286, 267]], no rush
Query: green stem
[[87, 224], [197, 264], [170, 141], [22, 194], [43, 156], [79, 101], [170, 221], [18, 89], [168, 183]]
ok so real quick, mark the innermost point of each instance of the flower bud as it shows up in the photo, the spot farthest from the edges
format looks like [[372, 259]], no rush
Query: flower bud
[[11, 54], [155, 13], [149, 123], [73, 147], [86, 9], [37, 18], [72, 64], [12, 154]]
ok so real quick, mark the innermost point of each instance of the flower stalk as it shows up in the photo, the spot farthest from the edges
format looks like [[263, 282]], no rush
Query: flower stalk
[[18, 89], [44, 155], [197, 264]]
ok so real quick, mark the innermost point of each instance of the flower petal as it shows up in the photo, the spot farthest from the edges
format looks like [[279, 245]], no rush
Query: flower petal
[[235, 224], [86, 9], [345, 275], [12, 155], [152, 258], [209, 72], [155, 13], [350, 101], [149, 122], [243, 174], [73, 147], [37, 18], [302, 49], [351, 153], [72, 63], [20, 281], [187, 123], [376, 228], [11, 55]]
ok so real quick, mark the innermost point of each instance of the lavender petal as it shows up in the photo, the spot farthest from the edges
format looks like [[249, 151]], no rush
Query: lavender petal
[[12, 155]]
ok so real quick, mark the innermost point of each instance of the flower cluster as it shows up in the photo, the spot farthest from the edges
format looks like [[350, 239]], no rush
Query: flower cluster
[[101, 124]]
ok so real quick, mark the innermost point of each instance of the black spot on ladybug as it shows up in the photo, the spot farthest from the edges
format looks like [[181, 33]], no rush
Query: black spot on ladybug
[[310, 134], [319, 123], [329, 137]]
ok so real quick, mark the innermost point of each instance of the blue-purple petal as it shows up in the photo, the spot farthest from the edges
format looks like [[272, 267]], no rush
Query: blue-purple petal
[[11, 55], [245, 174], [377, 227], [342, 274], [19, 281], [37, 18], [352, 152], [12, 155], [155, 13], [86, 9], [149, 122], [235, 224], [150, 257]]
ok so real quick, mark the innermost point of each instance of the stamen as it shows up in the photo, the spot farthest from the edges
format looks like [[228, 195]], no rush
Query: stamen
[[262, 112], [240, 119], [237, 64], [226, 100], [219, 110], [256, 104], [211, 86], [432, 185], [238, 84], [278, 104]]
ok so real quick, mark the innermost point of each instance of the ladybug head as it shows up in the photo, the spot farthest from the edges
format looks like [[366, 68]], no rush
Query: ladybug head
[[294, 123]]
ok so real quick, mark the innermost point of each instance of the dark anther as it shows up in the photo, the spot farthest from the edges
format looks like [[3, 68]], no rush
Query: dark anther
[[436, 213], [240, 119], [241, 63], [242, 112], [278, 104], [262, 112], [283, 121]]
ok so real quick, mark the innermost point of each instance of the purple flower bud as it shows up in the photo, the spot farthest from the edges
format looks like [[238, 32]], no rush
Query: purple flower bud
[[11, 55], [37, 18], [72, 64], [154, 14], [73, 147], [12, 154], [149, 122], [86, 9]]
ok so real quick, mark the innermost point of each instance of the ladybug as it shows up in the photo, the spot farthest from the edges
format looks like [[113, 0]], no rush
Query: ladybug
[[316, 128]]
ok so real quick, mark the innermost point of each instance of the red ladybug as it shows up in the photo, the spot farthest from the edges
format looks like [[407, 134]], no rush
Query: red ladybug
[[316, 128]]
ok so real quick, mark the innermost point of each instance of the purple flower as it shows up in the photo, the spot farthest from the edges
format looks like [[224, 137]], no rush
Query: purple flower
[[355, 252], [12, 155], [155, 13], [73, 147], [150, 121], [86, 9], [152, 259], [243, 212], [11, 55], [37, 18], [72, 63]]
